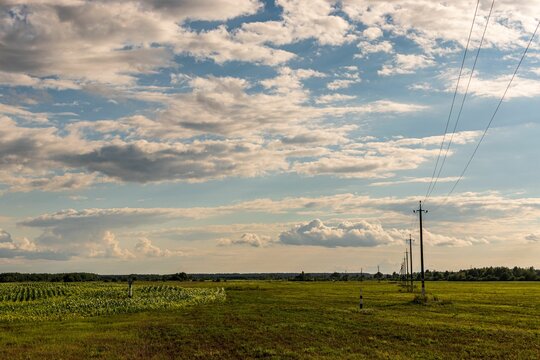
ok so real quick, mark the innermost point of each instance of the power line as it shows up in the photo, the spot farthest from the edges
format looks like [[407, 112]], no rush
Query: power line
[[493, 115], [462, 102], [454, 97], [491, 119]]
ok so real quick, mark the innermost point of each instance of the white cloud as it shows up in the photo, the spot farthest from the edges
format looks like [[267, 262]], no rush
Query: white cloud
[[432, 24], [89, 232], [63, 182], [372, 33], [222, 46], [330, 98], [44, 39], [52, 159], [300, 21], [109, 247], [18, 79], [367, 48], [414, 180], [451, 241], [406, 64], [341, 84], [24, 114], [5, 237], [377, 159], [145, 247], [204, 9], [424, 86], [249, 239], [533, 238], [494, 87], [26, 249], [345, 234]]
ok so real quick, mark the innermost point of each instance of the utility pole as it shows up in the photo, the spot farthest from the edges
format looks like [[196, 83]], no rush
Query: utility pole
[[406, 266], [378, 273], [420, 211], [410, 257]]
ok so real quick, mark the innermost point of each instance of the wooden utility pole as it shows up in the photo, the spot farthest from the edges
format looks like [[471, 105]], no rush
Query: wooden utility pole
[[410, 258], [420, 211], [406, 266]]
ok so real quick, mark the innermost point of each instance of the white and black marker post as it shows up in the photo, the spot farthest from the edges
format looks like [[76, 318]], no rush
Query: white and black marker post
[[361, 299]]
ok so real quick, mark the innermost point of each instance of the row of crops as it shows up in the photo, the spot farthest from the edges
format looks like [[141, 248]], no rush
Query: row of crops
[[43, 301], [31, 293]]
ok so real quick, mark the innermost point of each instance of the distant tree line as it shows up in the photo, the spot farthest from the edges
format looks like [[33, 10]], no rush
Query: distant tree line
[[79, 277], [475, 274], [479, 274], [486, 274]]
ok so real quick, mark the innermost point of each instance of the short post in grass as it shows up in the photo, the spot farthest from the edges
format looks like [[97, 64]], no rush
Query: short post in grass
[[361, 300], [130, 287]]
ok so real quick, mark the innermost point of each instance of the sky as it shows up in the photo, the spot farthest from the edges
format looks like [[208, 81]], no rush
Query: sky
[[266, 136]]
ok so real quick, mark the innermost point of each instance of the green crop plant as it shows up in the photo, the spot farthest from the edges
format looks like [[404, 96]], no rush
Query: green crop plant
[[43, 301]]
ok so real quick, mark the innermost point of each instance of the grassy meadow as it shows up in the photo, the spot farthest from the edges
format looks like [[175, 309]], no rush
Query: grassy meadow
[[300, 320]]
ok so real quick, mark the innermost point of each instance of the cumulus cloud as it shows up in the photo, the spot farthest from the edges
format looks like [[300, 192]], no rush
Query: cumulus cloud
[[420, 21], [341, 84], [19, 79], [63, 182], [200, 161], [371, 159], [367, 48], [366, 234], [89, 232], [73, 220], [222, 46], [26, 249], [372, 33], [494, 87], [406, 64], [301, 20], [330, 98], [5, 237], [61, 40], [99, 232], [42, 39], [345, 234], [109, 247], [533, 238], [250, 239], [452, 241], [30, 155], [210, 10], [22, 113], [145, 247]]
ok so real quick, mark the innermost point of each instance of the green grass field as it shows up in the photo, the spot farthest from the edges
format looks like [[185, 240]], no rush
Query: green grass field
[[293, 320]]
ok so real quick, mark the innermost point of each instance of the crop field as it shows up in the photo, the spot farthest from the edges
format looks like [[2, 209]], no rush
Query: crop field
[[285, 320], [45, 301]]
